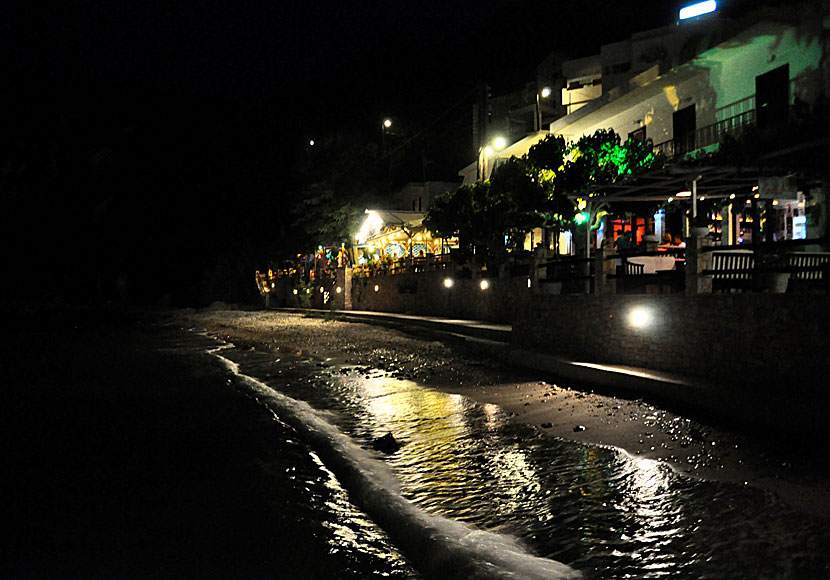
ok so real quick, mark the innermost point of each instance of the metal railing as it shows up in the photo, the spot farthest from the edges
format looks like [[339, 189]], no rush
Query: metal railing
[[402, 266], [706, 136]]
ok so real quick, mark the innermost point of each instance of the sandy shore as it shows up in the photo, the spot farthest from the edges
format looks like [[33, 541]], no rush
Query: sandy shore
[[555, 408]]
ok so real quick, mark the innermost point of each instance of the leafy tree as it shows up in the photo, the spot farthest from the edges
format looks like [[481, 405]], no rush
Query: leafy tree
[[536, 190], [546, 160], [451, 214]]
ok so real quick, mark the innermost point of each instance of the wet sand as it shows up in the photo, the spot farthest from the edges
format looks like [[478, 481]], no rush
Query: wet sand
[[558, 409]]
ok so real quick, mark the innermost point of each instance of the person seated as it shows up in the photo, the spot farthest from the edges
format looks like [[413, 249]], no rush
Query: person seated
[[624, 242]]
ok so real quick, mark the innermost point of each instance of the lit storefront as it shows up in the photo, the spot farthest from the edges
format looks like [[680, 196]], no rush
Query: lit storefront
[[395, 235]]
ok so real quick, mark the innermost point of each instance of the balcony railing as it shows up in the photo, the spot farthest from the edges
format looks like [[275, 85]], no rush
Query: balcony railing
[[706, 136]]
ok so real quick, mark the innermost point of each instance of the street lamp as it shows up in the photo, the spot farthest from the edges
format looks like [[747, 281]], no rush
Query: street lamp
[[497, 144], [385, 127], [543, 94]]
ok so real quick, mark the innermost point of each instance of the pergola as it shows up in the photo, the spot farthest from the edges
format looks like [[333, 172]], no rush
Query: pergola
[[711, 181], [395, 233]]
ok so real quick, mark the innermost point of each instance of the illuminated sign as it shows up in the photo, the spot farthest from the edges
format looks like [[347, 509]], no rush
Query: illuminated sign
[[698, 9]]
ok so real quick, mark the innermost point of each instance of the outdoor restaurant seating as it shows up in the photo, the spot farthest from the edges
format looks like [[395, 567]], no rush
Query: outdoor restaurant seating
[[732, 271], [808, 271]]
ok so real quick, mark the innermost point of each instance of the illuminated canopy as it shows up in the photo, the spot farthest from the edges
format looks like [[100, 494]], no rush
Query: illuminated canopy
[[377, 220]]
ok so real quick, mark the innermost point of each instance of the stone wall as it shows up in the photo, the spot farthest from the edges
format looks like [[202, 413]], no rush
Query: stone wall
[[425, 294], [748, 341]]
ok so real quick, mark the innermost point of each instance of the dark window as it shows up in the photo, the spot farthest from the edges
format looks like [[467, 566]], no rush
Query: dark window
[[638, 135], [772, 96], [684, 123]]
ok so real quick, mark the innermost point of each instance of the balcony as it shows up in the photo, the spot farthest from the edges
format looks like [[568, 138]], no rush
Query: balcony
[[733, 119]]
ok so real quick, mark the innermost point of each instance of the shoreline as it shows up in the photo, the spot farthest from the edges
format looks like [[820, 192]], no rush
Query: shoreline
[[631, 425]]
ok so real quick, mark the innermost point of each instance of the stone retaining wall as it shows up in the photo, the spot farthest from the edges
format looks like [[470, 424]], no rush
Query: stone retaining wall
[[425, 294], [744, 340]]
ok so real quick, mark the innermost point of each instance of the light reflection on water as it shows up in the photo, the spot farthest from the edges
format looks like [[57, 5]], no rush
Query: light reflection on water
[[604, 512]]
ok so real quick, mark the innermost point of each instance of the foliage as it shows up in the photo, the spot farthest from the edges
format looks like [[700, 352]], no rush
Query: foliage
[[536, 190], [600, 159], [547, 160]]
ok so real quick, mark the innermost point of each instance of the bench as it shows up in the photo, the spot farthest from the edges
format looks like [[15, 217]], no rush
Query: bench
[[732, 271], [807, 271]]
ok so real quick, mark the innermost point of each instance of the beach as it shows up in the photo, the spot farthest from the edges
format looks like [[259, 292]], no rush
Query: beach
[[691, 445]]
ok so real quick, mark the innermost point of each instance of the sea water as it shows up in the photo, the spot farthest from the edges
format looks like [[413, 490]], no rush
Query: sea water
[[470, 494]]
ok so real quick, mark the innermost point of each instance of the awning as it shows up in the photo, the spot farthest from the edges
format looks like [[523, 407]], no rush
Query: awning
[[377, 220], [661, 184]]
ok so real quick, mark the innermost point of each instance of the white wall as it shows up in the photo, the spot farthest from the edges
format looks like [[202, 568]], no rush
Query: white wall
[[717, 78]]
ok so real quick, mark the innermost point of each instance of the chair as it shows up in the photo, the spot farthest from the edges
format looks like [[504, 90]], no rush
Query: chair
[[807, 271], [732, 271], [633, 269]]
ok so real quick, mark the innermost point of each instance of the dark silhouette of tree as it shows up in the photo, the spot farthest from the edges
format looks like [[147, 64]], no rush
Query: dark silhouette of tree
[[339, 178]]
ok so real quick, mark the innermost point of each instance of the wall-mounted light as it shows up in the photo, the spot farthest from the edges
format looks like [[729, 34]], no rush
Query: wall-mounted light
[[377, 287], [295, 292], [448, 282], [697, 9], [484, 284], [639, 317], [338, 290]]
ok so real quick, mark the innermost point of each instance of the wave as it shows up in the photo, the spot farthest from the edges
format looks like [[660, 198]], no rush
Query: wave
[[437, 546]]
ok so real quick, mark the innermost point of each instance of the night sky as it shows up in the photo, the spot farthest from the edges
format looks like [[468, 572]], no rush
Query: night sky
[[150, 149]]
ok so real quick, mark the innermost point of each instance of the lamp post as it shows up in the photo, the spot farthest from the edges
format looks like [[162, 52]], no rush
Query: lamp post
[[543, 94], [385, 126], [484, 154]]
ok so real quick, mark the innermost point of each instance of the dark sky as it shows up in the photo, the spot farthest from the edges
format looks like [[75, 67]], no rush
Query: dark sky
[[269, 50], [163, 142]]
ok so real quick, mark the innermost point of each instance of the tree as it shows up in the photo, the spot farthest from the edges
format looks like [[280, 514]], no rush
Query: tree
[[537, 190], [546, 160]]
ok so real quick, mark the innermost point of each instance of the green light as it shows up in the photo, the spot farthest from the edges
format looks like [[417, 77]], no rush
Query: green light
[[582, 217]]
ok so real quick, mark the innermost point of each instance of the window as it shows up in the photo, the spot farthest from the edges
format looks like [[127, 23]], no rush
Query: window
[[638, 135]]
